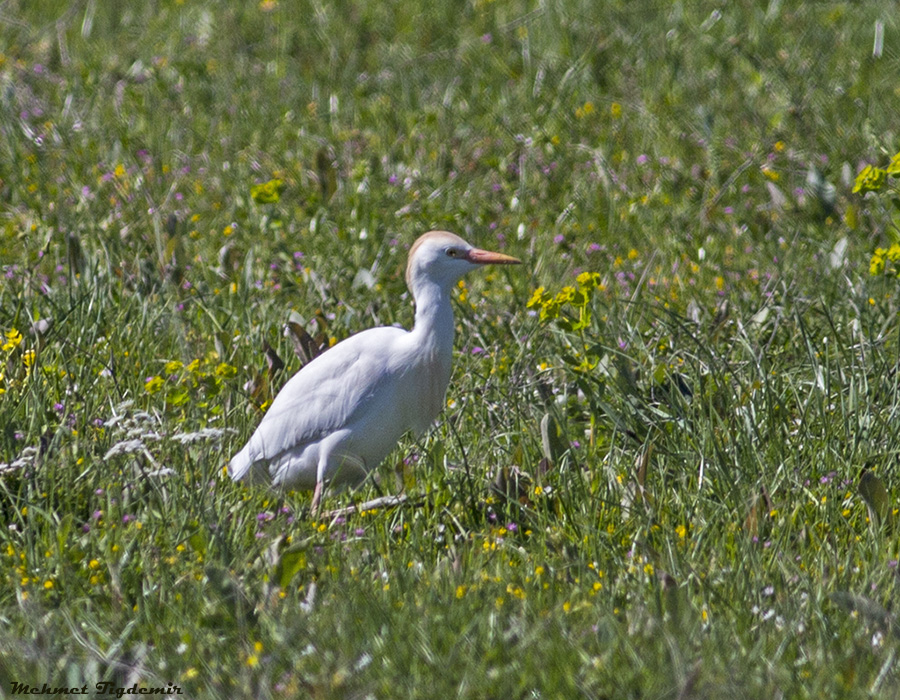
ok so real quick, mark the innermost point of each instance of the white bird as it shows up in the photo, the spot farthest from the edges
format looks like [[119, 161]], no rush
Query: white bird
[[342, 413]]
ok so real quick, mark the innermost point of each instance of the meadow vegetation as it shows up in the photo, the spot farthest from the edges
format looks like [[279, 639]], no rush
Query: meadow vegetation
[[667, 462]]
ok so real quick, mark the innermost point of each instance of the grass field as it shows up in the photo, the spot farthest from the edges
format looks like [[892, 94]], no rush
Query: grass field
[[667, 463]]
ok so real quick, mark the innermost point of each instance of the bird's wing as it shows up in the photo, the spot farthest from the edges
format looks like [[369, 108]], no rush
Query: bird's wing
[[322, 397]]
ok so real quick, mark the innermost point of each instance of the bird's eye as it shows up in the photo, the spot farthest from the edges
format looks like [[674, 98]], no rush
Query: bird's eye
[[452, 253]]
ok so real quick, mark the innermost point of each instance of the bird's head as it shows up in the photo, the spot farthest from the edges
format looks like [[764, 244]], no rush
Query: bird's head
[[442, 258]]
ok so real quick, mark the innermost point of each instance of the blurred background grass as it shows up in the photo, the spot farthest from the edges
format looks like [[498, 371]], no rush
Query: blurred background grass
[[688, 524]]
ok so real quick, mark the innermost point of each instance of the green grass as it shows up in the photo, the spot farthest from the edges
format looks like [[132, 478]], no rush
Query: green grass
[[689, 526]]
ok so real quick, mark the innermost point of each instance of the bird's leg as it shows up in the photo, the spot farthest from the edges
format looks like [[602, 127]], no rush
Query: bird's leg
[[317, 499]]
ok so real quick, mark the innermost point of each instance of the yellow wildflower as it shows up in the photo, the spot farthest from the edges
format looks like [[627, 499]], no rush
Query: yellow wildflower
[[894, 167], [226, 370], [173, 366], [870, 179], [893, 252], [550, 310], [268, 192], [515, 591], [585, 110], [12, 340], [876, 264], [588, 279], [565, 295], [536, 299], [770, 174]]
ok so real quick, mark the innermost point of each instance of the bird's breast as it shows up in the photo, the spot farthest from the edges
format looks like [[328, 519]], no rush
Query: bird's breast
[[428, 390]]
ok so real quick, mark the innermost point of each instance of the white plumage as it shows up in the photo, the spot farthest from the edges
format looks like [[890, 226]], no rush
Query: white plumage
[[341, 414]]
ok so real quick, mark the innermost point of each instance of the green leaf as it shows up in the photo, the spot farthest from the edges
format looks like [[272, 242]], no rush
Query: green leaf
[[873, 492], [62, 532], [290, 563], [198, 543], [178, 397]]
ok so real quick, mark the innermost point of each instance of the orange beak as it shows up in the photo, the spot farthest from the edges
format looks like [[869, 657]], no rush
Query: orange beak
[[486, 257]]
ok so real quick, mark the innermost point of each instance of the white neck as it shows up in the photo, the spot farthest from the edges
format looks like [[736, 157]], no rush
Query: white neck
[[434, 316]]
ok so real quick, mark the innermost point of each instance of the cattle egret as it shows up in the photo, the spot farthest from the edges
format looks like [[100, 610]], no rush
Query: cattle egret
[[342, 413]]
